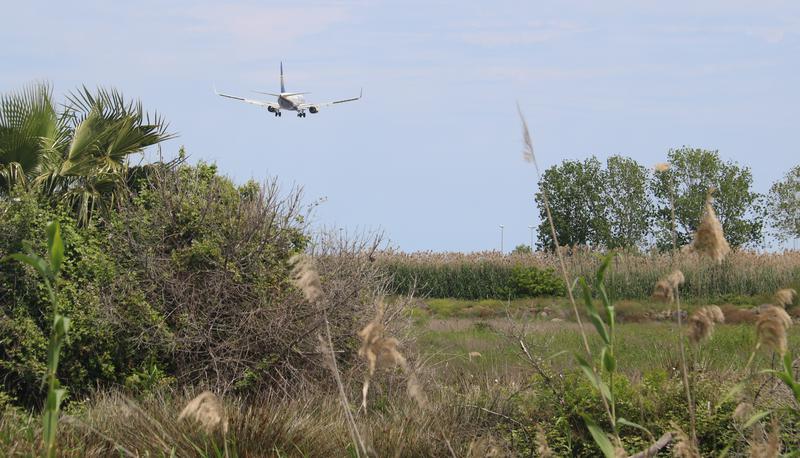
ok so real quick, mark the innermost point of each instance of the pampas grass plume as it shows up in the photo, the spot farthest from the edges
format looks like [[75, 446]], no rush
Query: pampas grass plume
[[701, 323], [305, 277], [382, 351], [207, 410], [771, 328], [785, 297], [666, 288], [684, 446], [543, 449], [709, 239], [771, 448]]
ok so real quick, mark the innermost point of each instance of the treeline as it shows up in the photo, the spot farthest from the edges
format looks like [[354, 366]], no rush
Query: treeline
[[623, 204]]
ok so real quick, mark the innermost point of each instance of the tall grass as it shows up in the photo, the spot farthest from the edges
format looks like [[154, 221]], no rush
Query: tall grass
[[484, 275]]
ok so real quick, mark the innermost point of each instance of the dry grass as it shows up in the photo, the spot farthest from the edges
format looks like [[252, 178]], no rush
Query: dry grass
[[785, 297], [701, 323], [709, 239], [207, 410], [666, 289], [308, 423], [771, 327]]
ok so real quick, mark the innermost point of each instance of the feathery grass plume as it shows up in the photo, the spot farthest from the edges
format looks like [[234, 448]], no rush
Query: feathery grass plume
[[709, 238], [662, 167], [771, 328], [684, 446], [701, 323], [305, 277], [483, 447], [666, 287], [381, 351], [543, 449], [207, 410], [771, 448], [743, 412], [785, 297]]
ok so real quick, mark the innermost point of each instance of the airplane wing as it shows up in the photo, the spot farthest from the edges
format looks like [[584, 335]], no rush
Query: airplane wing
[[261, 103], [304, 106]]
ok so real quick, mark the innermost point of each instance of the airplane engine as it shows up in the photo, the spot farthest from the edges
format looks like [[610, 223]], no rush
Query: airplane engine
[[313, 109], [271, 109]]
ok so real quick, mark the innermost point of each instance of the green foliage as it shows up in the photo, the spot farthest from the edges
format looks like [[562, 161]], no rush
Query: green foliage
[[48, 268], [93, 352], [144, 286], [612, 207], [478, 280], [575, 193], [596, 206], [691, 174], [532, 282], [78, 155], [783, 205], [629, 210], [522, 249]]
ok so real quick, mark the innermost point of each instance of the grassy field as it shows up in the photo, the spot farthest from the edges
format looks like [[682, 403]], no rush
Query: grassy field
[[484, 395]]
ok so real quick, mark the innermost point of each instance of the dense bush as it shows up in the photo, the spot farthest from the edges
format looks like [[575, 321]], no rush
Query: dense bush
[[185, 280]]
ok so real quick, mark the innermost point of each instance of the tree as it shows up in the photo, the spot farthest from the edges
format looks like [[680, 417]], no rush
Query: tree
[[629, 210], [687, 181], [522, 249], [575, 193], [783, 205], [78, 154]]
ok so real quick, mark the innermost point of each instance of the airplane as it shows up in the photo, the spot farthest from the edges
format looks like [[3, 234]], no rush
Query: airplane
[[290, 101]]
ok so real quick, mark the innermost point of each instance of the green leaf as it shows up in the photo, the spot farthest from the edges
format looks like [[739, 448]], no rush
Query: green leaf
[[598, 323], [787, 362], [601, 271], [623, 422], [735, 389], [55, 246], [61, 325], [609, 362], [788, 379], [596, 381], [32, 260], [600, 437], [755, 418]]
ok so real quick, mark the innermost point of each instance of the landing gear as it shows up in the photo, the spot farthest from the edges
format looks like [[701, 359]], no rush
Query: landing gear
[[301, 115], [277, 114]]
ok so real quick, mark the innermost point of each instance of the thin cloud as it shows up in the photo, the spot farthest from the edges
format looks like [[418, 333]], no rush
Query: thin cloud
[[531, 33], [252, 28]]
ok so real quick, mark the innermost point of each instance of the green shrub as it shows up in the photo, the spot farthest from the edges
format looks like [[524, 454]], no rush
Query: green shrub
[[532, 282], [473, 280]]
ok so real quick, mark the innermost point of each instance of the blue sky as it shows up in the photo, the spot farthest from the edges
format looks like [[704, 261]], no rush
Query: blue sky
[[432, 153]]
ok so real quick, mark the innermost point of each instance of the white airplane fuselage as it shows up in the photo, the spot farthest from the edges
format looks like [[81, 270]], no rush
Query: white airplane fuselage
[[291, 102]]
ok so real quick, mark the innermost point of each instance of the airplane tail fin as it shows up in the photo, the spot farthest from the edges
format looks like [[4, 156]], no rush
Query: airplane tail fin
[[283, 88]]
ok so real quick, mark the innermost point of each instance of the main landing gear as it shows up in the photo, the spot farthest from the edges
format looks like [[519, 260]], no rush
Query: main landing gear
[[301, 115], [277, 113]]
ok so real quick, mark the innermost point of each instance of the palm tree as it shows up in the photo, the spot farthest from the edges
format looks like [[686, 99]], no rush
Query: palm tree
[[80, 154]]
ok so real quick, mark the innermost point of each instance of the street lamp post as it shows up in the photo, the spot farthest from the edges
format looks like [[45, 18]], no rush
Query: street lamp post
[[501, 237], [531, 228]]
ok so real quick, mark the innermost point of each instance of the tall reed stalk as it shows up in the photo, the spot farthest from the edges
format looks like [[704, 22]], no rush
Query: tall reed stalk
[[48, 268]]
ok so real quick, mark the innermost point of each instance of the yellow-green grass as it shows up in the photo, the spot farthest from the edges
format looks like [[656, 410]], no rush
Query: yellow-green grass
[[641, 347]]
